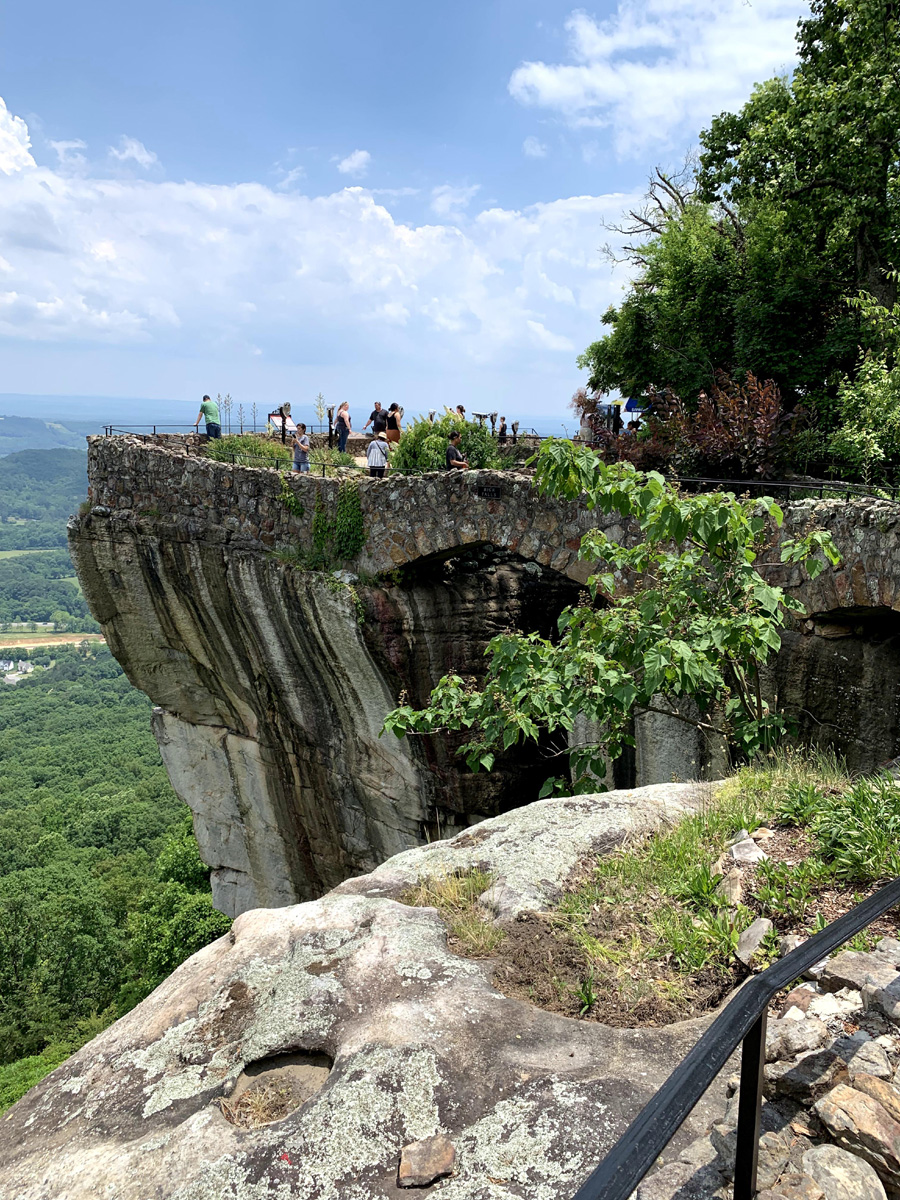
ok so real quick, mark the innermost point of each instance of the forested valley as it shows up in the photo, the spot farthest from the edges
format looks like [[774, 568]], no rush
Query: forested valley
[[102, 889]]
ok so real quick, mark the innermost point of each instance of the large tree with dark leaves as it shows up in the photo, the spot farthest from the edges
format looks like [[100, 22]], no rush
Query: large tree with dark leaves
[[793, 207]]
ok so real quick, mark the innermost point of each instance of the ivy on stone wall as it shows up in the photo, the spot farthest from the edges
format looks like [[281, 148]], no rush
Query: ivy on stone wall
[[349, 528], [340, 537], [290, 500]]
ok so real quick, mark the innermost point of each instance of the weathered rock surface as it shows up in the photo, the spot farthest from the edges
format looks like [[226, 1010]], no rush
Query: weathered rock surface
[[752, 938], [532, 851], [855, 970], [858, 1123], [842, 1176], [421, 1045], [787, 1039]]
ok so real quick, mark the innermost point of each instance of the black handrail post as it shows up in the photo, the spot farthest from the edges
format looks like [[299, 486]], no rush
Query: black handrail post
[[753, 1061]]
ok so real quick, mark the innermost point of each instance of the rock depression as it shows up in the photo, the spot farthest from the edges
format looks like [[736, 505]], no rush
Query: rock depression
[[273, 682]]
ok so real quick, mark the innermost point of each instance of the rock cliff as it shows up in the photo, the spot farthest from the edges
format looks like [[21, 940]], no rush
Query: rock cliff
[[273, 682], [351, 1013]]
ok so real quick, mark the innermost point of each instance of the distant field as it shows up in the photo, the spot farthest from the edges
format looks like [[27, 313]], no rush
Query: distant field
[[16, 553], [29, 641]]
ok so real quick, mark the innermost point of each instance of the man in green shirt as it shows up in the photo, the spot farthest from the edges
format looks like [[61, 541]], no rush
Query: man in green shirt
[[210, 411]]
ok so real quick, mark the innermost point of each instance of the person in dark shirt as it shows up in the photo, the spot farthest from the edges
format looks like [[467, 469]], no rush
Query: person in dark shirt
[[455, 460], [378, 420], [501, 432], [393, 423]]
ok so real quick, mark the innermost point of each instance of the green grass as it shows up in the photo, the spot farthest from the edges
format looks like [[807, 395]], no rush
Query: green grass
[[650, 919], [250, 449], [455, 896]]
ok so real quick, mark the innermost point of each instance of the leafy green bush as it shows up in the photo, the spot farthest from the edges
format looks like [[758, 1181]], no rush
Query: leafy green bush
[[423, 446], [867, 445], [173, 923], [250, 449], [330, 456]]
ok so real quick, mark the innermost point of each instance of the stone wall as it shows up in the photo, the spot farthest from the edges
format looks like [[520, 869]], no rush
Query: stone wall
[[406, 517]]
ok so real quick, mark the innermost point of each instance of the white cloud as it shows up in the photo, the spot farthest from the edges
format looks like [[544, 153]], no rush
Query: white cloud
[[355, 164], [131, 149], [532, 148], [657, 68], [15, 143], [189, 269], [448, 201], [552, 341], [290, 178], [68, 152]]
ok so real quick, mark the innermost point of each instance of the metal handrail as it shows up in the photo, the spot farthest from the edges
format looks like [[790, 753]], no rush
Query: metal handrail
[[742, 1020]]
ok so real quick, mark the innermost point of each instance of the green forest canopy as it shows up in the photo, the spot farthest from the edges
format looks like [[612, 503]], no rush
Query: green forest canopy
[[39, 491], [102, 890]]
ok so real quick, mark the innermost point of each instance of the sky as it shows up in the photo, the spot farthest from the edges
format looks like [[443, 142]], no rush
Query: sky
[[395, 201]]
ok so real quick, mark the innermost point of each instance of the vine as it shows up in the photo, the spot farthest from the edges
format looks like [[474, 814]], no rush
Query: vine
[[336, 538], [349, 527], [290, 499], [322, 533]]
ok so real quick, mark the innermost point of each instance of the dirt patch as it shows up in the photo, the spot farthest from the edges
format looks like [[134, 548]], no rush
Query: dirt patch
[[540, 961], [791, 846], [273, 1088], [10, 641]]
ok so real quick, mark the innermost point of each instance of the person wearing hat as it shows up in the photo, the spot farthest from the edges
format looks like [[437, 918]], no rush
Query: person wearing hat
[[377, 454]]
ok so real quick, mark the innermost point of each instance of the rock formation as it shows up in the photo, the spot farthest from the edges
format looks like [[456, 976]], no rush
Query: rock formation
[[273, 682], [347, 1027]]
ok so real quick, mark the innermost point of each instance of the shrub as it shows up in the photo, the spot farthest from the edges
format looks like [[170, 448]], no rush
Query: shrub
[[867, 445], [249, 449], [330, 456], [423, 446], [737, 430]]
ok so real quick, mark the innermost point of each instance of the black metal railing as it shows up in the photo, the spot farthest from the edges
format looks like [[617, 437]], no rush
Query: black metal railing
[[827, 489], [743, 1021], [171, 427]]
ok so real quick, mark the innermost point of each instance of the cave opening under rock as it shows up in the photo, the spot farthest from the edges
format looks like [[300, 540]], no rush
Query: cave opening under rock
[[436, 617]]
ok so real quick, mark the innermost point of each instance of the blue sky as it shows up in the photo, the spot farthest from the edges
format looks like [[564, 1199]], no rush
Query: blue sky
[[379, 201]]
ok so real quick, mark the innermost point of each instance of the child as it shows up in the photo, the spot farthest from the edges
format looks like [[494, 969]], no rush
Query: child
[[300, 442]]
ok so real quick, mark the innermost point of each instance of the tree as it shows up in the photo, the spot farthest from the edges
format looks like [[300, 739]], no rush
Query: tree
[[794, 206], [824, 145], [697, 623]]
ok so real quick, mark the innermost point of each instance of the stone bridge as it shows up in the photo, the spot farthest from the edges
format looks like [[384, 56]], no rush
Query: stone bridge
[[438, 515], [273, 683]]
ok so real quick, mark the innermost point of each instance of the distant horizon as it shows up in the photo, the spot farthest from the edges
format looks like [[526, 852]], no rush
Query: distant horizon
[[143, 411]]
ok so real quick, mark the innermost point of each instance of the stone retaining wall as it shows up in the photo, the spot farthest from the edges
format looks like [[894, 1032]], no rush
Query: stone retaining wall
[[406, 517], [413, 517]]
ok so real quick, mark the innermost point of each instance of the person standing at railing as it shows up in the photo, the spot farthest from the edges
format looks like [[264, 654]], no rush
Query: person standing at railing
[[377, 454], [454, 458], [378, 419], [501, 432], [300, 443], [342, 425], [393, 423], [209, 411]]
